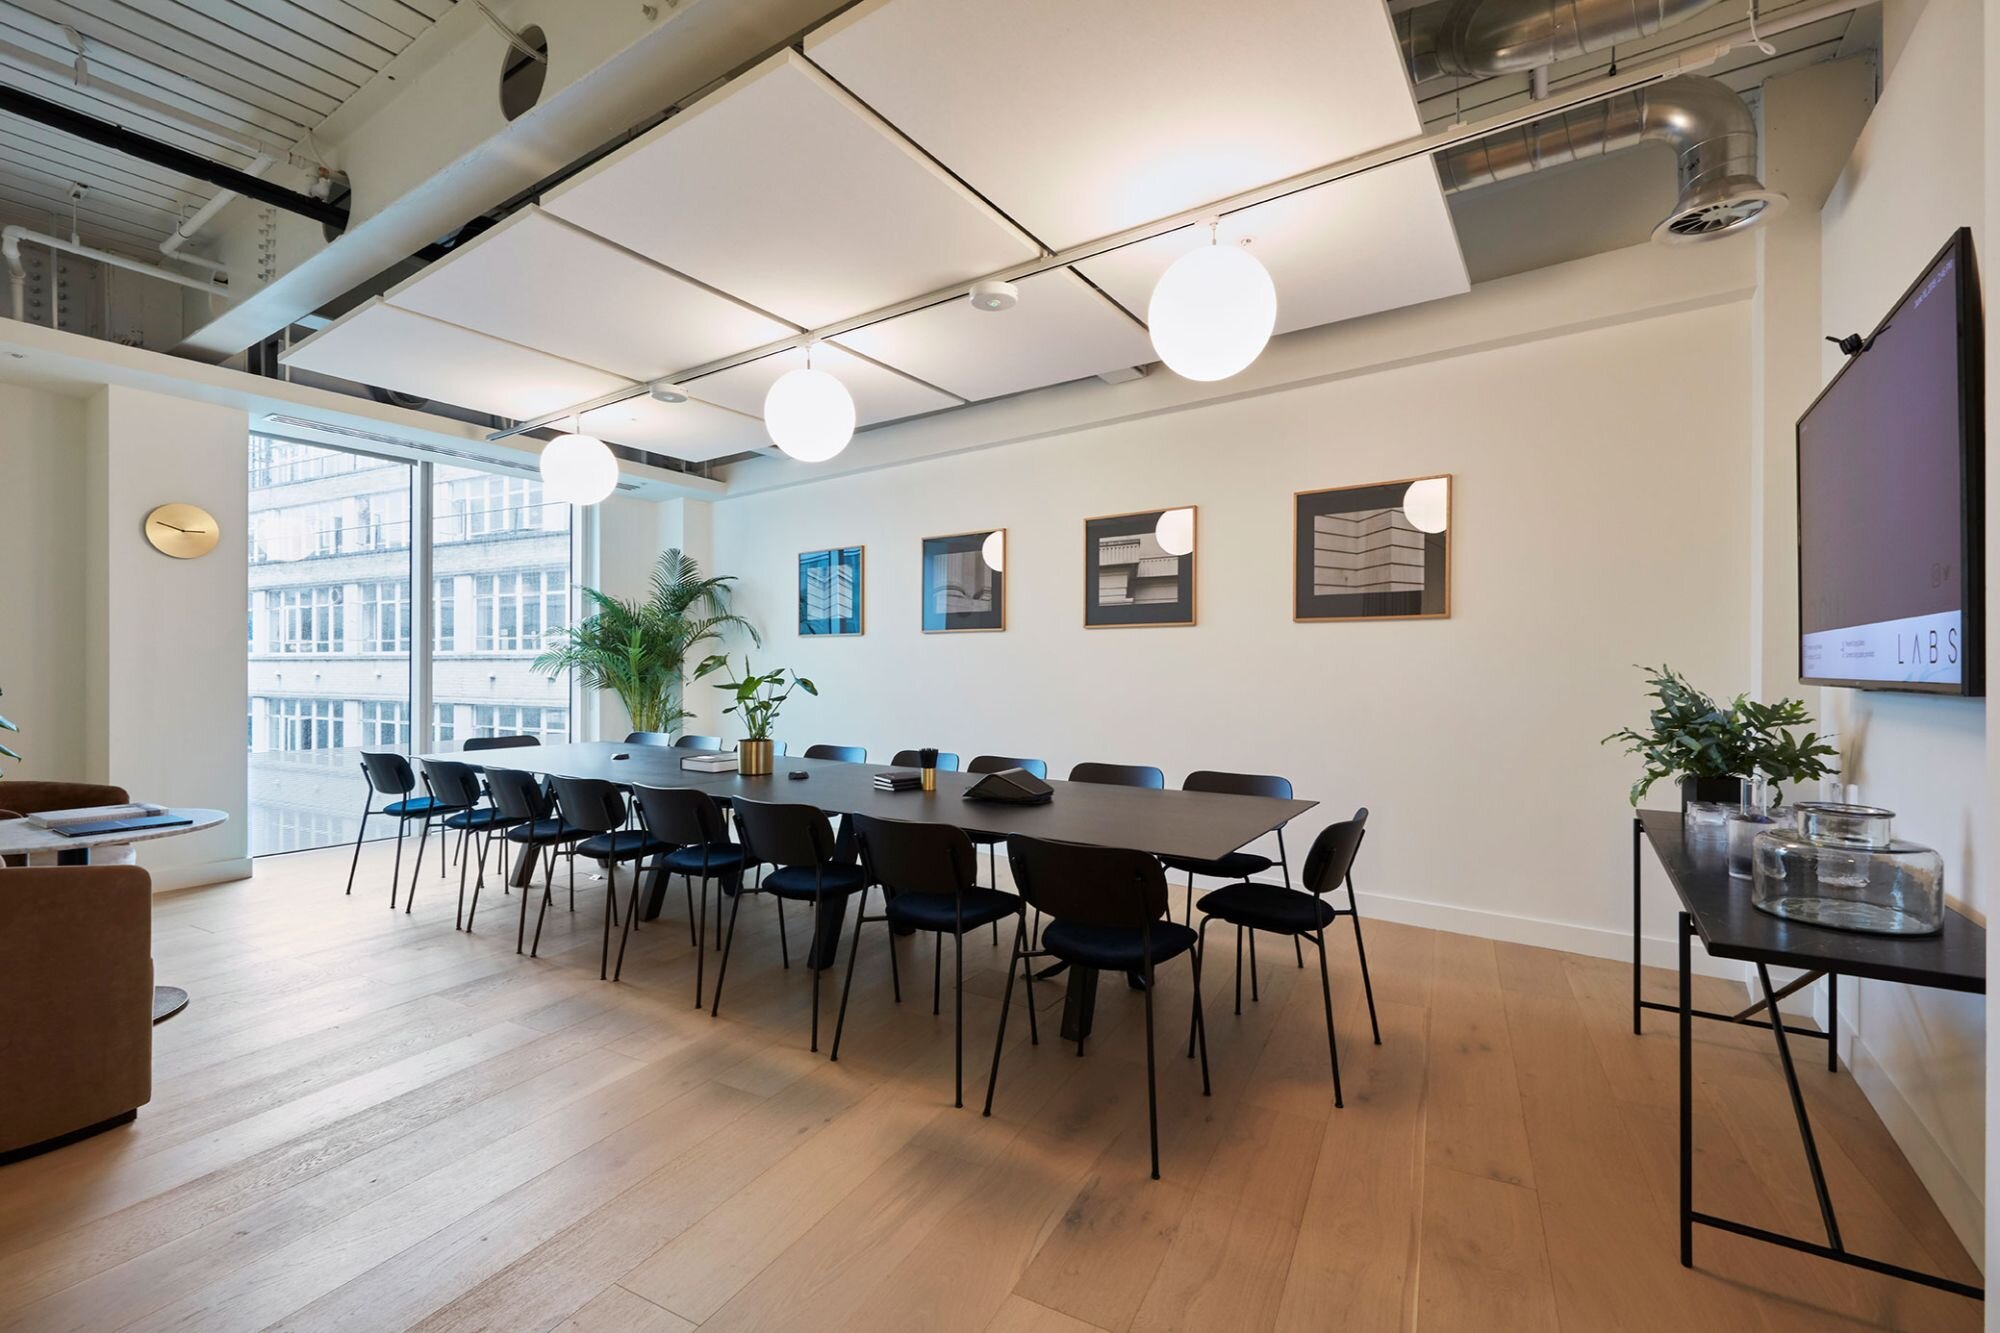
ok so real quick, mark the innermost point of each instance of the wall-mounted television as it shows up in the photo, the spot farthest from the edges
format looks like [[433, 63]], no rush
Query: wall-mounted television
[[1891, 456]]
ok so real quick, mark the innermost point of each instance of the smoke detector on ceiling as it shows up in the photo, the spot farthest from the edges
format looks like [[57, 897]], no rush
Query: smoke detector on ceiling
[[994, 296], [664, 392]]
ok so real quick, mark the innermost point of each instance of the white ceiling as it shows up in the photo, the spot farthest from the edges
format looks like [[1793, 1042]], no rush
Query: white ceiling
[[883, 164]]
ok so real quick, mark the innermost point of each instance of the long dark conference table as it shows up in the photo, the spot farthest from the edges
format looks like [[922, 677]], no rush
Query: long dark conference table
[[1201, 825]]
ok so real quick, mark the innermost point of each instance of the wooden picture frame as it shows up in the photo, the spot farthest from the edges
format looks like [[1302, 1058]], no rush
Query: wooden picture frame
[[981, 599], [1123, 550], [836, 559], [1365, 530]]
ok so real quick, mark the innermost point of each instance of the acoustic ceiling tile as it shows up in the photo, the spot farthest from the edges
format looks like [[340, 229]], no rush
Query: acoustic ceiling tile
[[391, 348], [540, 282], [785, 192], [693, 432], [1061, 330]]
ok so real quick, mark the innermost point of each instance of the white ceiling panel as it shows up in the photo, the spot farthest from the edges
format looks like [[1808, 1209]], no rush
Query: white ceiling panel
[[1115, 112], [540, 282], [783, 191], [692, 431], [1061, 330], [391, 348], [879, 394], [1372, 242]]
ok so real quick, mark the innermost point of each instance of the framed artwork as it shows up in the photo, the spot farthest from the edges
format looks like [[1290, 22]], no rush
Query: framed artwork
[[965, 582], [1138, 569], [830, 592], [1377, 552]]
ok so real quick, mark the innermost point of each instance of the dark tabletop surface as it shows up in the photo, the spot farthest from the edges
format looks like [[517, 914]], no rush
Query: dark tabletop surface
[[1731, 927], [1204, 825]]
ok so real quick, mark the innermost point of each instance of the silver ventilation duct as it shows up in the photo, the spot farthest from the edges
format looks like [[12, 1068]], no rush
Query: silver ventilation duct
[[1479, 38], [1707, 125]]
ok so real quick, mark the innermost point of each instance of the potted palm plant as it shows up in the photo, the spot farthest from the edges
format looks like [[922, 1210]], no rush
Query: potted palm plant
[[1710, 746], [639, 649], [5, 725], [759, 696]]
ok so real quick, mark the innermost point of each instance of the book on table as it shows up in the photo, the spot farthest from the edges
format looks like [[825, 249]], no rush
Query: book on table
[[95, 814], [710, 763], [899, 779]]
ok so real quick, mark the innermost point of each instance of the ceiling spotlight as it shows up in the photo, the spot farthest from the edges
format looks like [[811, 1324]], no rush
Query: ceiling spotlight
[[809, 414], [577, 469], [664, 392], [1175, 531], [1212, 311], [992, 295], [1427, 504]]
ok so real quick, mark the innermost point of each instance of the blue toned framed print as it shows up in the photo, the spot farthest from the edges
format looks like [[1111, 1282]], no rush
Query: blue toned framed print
[[830, 592]]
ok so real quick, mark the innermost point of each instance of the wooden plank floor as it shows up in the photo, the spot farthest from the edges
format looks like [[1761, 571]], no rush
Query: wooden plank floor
[[368, 1121]]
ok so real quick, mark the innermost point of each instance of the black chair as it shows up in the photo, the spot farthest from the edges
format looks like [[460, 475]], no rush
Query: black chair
[[1285, 911], [1238, 864], [947, 762], [532, 823], [499, 743], [391, 775], [458, 784], [1120, 775], [691, 822], [688, 741], [597, 808], [927, 874], [799, 841], [659, 738], [1107, 909], [846, 754], [998, 763]]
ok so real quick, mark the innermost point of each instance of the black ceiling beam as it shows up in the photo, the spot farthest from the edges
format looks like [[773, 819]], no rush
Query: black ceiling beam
[[116, 137]]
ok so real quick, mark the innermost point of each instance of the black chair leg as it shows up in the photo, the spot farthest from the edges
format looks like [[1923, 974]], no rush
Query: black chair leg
[[548, 897], [396, 875], [958, 1018], [521, 931], [728, 938], [1006, 1003], [1253, 967], [1187, 914], [784, 947], [631, 919], [1239, 970], [367, 808], [463, 863], [1367, 988], [993, 874], [479, 880], [1200, 945], [1027, 968], [895, 971], [1326, 993], [937, 971], [610, 910], [854, 948], [417, 870], [818, 899], [1152, 1089], [701, 939], [693, 938], [1298, 953], [1200, 1025]]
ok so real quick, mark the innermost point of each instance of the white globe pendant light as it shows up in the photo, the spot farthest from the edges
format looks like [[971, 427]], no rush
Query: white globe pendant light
[[1427, 504], [1175, 531], [577, 469], [994, 551], [1212, 312], [809, 414]]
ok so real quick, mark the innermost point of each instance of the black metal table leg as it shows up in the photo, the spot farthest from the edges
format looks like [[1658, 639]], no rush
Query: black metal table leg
[[1832, 1022], [1638, 834], [1799, 1111], [1079, 1003], [523, 872], [1687, 1090], [826, 932]]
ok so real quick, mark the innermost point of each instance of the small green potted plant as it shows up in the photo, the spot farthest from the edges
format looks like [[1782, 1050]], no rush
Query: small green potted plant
[[759, 697], [1710, 746]]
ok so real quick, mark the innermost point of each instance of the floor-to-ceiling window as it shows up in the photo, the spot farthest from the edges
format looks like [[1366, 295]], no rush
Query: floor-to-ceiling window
[[331, 621]]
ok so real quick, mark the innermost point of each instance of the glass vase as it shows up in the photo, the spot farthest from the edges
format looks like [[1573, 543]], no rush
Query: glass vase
[[1841, 866]]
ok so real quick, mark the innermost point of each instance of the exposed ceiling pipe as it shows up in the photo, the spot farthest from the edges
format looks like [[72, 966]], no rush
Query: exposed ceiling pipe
[[1479, 38], [17, 273], [1710, 129], [119, 139], [81, 75], [217, 202]]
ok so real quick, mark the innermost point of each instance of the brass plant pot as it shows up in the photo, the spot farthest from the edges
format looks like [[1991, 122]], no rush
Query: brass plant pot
[[753, 759]]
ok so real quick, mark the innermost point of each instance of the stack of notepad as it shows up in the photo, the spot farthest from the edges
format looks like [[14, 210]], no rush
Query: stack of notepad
[[96, 814], [710, 763], [899, 779]]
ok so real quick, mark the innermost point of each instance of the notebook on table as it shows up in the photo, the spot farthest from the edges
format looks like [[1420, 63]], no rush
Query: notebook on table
[[95, 814], [133, 825]]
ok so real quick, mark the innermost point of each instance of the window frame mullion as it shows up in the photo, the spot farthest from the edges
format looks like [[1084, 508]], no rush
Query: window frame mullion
[[422, 578]]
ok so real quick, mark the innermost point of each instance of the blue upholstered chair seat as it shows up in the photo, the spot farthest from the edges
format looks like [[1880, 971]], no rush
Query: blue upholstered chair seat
[[1115, 948], [1271, 907]]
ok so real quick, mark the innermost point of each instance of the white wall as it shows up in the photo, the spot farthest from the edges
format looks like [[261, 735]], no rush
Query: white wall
[[1600, 521], [41, 583], [165, 666], [1916, 173]]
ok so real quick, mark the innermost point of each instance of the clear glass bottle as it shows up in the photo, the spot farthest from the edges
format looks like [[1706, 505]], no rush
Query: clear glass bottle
[[1839, 865]]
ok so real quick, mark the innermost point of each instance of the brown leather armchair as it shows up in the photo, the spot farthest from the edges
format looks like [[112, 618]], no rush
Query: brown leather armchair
[[76, 986]]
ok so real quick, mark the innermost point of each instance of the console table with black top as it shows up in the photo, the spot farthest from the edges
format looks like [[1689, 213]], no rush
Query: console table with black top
[[1716, 907]]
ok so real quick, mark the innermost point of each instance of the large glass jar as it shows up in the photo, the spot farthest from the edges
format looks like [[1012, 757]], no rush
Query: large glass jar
[[1839, 866]]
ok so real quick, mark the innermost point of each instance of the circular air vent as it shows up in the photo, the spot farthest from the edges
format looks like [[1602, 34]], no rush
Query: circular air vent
[[1710, 218]]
